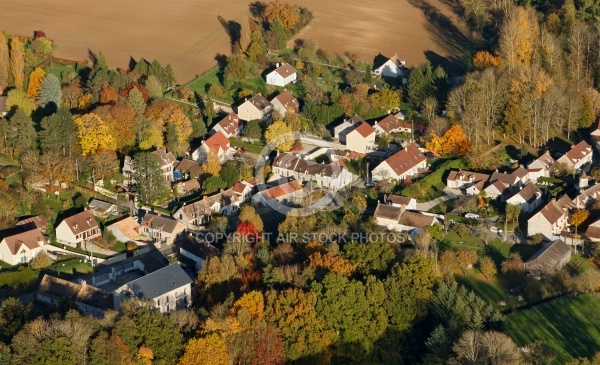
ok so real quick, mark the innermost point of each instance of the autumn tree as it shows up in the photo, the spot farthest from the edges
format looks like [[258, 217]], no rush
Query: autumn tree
[[513, 268], [287, 14], [484, 59], [454, 141], [71, 93], [120, 118], [487, 266], [17, 98], [386, 99], [245, 33], [212, 165], [161, 112], [17, 62], [50, 92], [578, 217], [279, 135], [94, 134], [519, 37], [35, 82], [108, 94], [248, 214], [4, 63], [209, 350], [330, 262], [511, 213], [104, 164], [150, 181], [486, 347]]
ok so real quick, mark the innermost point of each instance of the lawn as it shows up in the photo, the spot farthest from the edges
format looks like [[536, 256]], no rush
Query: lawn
[[59, 69], [256, 147], [17, 281], [200, 85], [571, 327], [432, 186], [120, 247]]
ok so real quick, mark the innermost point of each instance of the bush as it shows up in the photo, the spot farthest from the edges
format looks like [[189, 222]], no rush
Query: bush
[[41, 261]]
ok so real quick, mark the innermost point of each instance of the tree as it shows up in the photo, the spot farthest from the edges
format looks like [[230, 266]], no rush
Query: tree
[[454, 141], [213, 184], [230, 173], [245, 33], [171, 137], [252, 129], [286, 14], [386, 99], [40, 261], [17, 62], [35, 82], [94, 134], [104, 164], [135, 100], [108, 95], [248, 214], [22, 136], [151, 184], [13, 314], [154, 87], [278, 133], [511, 213], [17, 98], [212, 165], [518, 37], [370, 258], [489, 347], [209, 350], [4, 63], [257, 46], [331, 262], [487, 266], [578, 217], [50, 91], [513, 268]]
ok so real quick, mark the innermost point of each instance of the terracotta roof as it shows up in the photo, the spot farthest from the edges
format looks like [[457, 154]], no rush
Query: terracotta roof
[[417, 220], [405, 159], [549, 256], [287, 100], [578, 152], [364, 129], [32, 239], [565, 202], [84, 293], [81, 222], [239, 188], [552, 212], [190, 166], [467, 176], [282, 190], [387, 211], [230, 123], [190, 185], [158, 222], [217, 141], [285, 70], [39, 222], [593, 230], [165, 158], [259, 101], [129, 226]]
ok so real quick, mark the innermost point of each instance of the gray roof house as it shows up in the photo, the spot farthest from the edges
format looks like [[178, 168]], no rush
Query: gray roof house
[[549, 259]]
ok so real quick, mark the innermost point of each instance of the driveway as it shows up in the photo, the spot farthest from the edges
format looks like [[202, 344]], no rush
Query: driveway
[[449, 195]]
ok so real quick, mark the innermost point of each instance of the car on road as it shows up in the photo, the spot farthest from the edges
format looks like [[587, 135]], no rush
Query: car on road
[[472, 216]]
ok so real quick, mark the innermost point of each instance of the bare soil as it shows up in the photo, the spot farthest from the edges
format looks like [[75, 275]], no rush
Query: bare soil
[[188, 33]]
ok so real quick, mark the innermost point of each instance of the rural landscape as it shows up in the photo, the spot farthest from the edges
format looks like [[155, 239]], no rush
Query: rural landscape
[[269, 183]]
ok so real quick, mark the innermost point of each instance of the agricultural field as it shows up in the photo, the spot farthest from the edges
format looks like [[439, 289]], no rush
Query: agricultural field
[[188, 34]]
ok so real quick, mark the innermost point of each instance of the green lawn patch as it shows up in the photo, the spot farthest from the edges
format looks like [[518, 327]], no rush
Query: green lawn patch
[[200, 85], [59, 69], [571, 327], [432, 186], [15, 281], [255, 147], [78, 250], [492, 289], [120, 247]]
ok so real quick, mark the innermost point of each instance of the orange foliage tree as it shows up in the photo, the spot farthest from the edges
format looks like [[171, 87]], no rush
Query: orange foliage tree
[[253, 302], [286, 13], [108, 95], [209, 350], [332, 263], [35, 82], [484, 59], [453, 142]]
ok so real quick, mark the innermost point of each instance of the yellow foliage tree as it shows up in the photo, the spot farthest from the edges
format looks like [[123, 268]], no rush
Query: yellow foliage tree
[[94, 134], [213, 164], [278, 133], [144, 356], [35, 82], [84, 100], [454, 141], [286, 13], [17, 61], [332, 263], [484, 59], [209, 350], [162, 112], [578, 217], [253, 302]]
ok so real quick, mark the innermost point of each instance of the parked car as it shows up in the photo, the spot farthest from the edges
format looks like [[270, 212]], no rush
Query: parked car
[[494, 229], [472, 216]]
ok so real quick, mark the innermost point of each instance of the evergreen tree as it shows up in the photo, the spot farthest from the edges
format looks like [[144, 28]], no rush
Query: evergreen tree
[[58, 132], [22, 136], [171, 137], [50, 91], [151, 184], [136, 101]]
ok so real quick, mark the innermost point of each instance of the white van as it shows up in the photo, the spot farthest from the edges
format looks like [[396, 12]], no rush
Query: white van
[[472, 216]]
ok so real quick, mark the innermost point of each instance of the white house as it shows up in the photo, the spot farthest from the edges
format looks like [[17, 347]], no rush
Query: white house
[[168, 288], [398, 219], [196, 250], [102, 209], [20, 248], [540, 167], [255, 108], [400, 201], [402, 165], [391, 124], [593, 231], [76, 229], [285, 101], [192, 216], [361, 139], [595, 135], [471, 183], [282, 75], [549, 222], [587, 197], [333, 175], [230, 126], [529, 197], [166, 160], [286, 192], [163, 230], [577, 156], [218, 143], [390, 67]]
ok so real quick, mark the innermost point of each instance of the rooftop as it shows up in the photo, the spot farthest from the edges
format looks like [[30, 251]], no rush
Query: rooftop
[[160, 282]]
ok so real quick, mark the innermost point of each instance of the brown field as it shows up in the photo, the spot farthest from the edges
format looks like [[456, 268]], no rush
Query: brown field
[[188, 34]]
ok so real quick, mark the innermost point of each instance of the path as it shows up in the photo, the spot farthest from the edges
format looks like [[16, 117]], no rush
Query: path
[[449, 194]]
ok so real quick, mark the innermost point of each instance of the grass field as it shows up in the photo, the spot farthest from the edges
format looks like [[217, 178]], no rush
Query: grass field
[[571, 327], [188, 34], [432, 186]]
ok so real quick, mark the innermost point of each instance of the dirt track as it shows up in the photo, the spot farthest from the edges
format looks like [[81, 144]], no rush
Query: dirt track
[[188, 34]]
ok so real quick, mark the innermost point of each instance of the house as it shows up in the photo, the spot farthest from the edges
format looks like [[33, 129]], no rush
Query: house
[[88, 299], [593, 231], [333, 175], [495, 190], [166, 160], [77, 229], [346, 127], [20, 248], [230, 126], [127, 229], [399, 219], [390, 67], [102, 209], [471, 183], [529, 197], [549, 259], [595, 135], [188, 187], [188, 169], [400, 201], [282, 75], [577, 156], [218, 143], [540, 167], [255, 108], [402, 165], [549, 222], [391, 124], [286, 192], [502, 184], [285, 101], [243, 189], [194, 215], [195, 251], [587, 197], [163, 230], [36, 222], [168, 289], [361, 139]]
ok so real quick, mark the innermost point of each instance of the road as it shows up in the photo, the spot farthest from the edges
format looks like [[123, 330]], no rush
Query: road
[[449, 195]]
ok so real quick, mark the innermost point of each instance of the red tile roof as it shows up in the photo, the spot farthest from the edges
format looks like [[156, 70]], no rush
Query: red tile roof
[[405, 159], [578, 152], [230, 123], [217, 141], [81, 222], [282, 190], [287, 100], [364, 129]]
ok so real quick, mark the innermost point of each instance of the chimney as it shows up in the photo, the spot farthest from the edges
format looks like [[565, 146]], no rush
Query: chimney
[[277, 65]]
